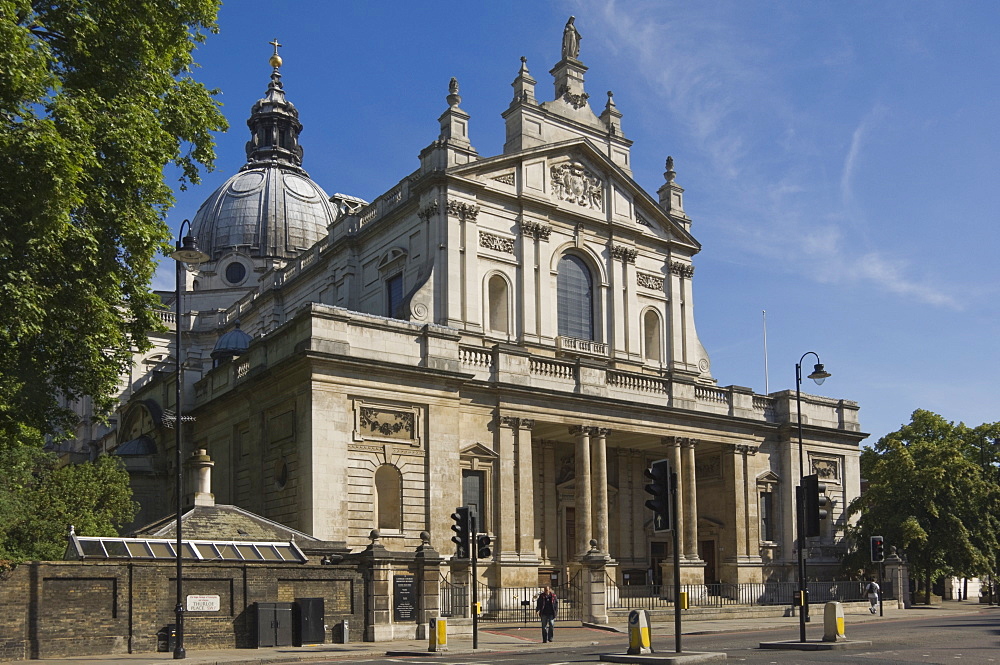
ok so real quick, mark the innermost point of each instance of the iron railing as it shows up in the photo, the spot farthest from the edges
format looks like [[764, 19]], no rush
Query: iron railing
[[655, 596]]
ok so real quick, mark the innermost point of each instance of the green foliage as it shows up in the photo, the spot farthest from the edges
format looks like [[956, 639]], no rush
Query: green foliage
[[933, 493], [39, 500], [96, 99]]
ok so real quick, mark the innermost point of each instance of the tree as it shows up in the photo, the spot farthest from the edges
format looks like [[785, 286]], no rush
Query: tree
[[96, 99], [39, 500], [929, 496]]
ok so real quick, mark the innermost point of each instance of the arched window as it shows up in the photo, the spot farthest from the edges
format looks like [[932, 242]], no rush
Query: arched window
[[388, 498], [651, 335], [498, 304], [575, 294]]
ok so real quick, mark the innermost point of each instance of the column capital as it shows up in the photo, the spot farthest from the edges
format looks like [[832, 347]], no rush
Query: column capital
[[600, 431], [579, 429], [746, 449], [678, 441], [514, 422]]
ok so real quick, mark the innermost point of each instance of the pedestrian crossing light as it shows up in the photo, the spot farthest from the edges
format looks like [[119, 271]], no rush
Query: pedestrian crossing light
[[462, 531], [815, 504], [878, 549], [483, 550], [659, 475]]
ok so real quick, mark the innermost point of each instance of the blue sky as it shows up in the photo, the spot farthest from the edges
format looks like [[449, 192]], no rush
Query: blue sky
[[839, 158]]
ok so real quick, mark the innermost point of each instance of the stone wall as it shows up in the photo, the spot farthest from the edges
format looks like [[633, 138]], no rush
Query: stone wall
[[57, 609]]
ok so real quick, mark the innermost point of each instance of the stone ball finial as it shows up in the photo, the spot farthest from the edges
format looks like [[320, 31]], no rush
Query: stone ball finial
[[374, 535], [425, 538], [593, 545]]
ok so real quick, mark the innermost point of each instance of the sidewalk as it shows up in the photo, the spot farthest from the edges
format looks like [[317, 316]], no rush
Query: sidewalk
[[513, 638]]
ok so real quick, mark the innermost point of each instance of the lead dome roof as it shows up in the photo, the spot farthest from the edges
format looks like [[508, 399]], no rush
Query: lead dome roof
[[271, 208]]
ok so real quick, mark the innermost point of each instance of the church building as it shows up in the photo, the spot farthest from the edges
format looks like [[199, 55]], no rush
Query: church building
[[512, 332]]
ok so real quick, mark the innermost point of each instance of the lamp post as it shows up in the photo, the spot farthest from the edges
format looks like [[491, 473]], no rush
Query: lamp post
[[187, 252], [819, 375]]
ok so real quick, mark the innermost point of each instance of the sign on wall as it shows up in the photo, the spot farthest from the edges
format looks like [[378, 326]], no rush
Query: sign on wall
[[203, 603]]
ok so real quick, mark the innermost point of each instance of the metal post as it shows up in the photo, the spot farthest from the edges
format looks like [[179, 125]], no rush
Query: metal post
[[803, 591], [473, 530], [179, 459], [677, 564]]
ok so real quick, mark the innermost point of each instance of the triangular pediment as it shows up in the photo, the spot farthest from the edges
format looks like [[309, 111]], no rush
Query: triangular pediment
[[768, 477], [478, 451], [576, 177]]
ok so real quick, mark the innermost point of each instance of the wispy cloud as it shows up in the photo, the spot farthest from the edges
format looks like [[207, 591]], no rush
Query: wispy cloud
[[736, 104]]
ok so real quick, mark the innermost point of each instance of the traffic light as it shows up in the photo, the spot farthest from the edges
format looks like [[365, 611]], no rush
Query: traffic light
[[878, 549], [483, 550], [462, 532], [659, 474], [815, 504]]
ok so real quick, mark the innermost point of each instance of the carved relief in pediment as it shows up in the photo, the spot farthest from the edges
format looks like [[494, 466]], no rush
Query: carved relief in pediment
[[573, 182]]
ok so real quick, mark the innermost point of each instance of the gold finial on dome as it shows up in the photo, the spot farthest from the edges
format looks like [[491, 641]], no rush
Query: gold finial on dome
[[275, 59]]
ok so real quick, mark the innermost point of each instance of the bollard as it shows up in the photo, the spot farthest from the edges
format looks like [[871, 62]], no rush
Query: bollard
[[638, 632], [683, 600], [438, 634], [833, 622]]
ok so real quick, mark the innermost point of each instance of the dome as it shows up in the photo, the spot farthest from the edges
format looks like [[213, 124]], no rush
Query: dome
[[271, 208], [266, 211], [231, 344]]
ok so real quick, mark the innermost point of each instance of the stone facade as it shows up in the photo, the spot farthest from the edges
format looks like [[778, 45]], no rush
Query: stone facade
[[515, 332]]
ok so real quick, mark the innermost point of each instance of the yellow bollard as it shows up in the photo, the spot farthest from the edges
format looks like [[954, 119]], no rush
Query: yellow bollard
[[438, 634], [683, 600], [833, 622], [638, 632]]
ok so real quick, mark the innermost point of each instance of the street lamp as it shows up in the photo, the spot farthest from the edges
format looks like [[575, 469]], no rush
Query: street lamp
[[819, 375], [187, 253]]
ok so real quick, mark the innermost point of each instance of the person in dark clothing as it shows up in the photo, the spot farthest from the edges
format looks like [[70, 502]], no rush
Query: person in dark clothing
[[546, 608]]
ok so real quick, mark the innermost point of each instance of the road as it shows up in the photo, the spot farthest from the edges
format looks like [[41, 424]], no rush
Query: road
[[968, 639]]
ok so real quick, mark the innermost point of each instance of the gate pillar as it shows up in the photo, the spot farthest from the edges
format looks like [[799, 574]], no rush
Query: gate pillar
[[428, 584], [595, 570], [376, 563]]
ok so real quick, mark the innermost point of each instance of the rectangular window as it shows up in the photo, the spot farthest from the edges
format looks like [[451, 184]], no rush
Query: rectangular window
[[474, 495], [767, 525], [394, 296]]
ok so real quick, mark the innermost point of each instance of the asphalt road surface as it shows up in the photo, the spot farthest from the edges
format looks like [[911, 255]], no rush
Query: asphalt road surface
[[967, 639]]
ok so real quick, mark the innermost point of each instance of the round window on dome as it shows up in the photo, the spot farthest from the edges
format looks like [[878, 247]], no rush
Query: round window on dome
[[236, 272]]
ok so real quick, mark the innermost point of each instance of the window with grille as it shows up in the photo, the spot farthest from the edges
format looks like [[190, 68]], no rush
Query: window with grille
[[575, 295]]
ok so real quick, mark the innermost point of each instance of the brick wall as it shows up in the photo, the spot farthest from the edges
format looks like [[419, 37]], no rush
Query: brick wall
[[57, 609]]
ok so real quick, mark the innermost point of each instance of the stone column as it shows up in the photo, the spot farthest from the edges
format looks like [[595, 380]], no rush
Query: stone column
[[600, 467], [627, 498], [524, 479], [689, 485], [428, 584], [505, 529], [582, 486], [550, 504], [674, 444]]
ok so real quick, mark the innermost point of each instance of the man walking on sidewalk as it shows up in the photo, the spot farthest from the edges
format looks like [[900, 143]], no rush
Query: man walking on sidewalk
[[873, 591], [545, 608]]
